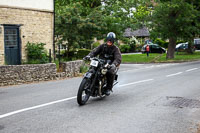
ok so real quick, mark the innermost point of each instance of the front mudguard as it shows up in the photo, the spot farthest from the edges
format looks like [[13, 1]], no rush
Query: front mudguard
[[88, 75]]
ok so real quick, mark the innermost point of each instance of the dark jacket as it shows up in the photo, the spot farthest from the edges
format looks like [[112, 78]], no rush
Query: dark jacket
[[103, 50]]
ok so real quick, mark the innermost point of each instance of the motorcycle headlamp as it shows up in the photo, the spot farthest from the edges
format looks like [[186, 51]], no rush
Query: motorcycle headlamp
[[104, 71]]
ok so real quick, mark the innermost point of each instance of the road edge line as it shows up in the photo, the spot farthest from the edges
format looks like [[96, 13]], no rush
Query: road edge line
[[35, 107]]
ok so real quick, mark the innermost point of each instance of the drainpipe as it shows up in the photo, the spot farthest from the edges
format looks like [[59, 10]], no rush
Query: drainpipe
[[54, 54]]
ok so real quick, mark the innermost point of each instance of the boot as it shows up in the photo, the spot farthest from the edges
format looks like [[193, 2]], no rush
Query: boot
[[107, 92]]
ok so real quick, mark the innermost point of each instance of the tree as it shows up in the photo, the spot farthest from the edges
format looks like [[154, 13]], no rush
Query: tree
[[79, 21], [126, 14], [173, 19], [194, 29], [76, 22], [117, 16], [142, 15]]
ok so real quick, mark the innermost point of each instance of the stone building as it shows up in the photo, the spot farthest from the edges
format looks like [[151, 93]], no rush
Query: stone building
[[23, 21], [140, 33]]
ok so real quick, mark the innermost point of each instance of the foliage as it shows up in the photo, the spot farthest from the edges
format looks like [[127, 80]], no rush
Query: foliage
[[36, 53], [124, 48], [132, 45], [84, 69], [96, 44], [125, 40], [73, 54], [118, 16], [161, 42], [82, 53], [79, 21], [180, 41], [173, 20], [76, 23], [138, 47], [142, 15]]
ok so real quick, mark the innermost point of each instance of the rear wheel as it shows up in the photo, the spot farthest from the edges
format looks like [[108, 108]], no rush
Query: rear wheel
[[83, 92]]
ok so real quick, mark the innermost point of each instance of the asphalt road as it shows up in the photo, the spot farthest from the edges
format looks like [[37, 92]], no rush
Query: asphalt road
[[150, 98]]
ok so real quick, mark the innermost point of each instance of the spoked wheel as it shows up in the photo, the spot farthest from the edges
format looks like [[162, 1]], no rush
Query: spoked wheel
[[83, 93]]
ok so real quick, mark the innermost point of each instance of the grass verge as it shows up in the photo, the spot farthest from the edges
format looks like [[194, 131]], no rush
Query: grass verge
[[160, 58]]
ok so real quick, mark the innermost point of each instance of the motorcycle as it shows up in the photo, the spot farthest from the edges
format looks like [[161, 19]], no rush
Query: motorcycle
[[94, 80]]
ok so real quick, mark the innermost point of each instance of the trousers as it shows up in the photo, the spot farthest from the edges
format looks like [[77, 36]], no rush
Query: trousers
[[110, 78]]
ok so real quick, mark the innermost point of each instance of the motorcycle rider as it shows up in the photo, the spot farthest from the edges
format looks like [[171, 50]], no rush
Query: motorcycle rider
[[111, 52]]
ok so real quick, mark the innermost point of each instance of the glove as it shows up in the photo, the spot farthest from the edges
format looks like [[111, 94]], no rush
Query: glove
[[112, 69], [113, 66], [86, 57]]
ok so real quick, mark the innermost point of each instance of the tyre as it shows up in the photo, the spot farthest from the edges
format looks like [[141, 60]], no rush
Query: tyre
[[83, 93]]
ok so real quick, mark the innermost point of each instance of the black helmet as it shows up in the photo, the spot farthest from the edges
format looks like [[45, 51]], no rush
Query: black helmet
[[111, 37]]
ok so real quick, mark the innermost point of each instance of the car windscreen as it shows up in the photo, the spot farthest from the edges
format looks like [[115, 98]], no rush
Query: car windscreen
[[196, 41], [178, 45]]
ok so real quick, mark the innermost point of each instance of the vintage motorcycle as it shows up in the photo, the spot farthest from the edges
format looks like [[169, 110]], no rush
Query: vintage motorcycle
[[94, 81]]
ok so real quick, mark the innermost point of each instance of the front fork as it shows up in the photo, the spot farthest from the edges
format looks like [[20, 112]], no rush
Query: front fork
[[92, 86], [101, 86]]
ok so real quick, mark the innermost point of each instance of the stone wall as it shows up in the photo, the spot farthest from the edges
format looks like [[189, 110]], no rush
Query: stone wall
[[72, 68], [22, 74], [36, 26]]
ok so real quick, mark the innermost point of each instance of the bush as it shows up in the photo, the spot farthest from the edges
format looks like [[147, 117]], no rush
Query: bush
[[124, 48], [82, 53], [138, 48], [165, 45], [161, 42], [132, 46], [63, 54], [84, 69], [177, 42], [129, 42], [96, 44], [125, 40], [36, 53], [73, 54]]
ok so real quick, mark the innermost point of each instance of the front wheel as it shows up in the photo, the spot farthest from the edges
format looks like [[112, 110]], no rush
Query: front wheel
[[83, 92]]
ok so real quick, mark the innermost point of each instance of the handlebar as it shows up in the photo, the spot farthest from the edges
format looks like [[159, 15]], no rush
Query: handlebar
[[94, 58]]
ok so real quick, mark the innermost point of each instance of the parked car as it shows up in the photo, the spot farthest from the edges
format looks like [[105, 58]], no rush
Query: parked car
[[197, 43], [154, 48], [183, 47]]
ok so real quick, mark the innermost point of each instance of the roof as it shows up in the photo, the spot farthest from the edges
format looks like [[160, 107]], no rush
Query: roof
[[143, 32]]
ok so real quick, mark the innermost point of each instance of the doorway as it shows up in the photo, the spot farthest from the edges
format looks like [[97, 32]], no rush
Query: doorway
[[12, 45]]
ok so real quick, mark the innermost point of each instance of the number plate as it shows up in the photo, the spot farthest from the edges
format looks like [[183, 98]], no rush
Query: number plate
[[94, 63]]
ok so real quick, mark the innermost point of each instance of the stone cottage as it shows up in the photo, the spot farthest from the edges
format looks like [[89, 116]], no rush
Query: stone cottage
[[140, 33], [23, 21]]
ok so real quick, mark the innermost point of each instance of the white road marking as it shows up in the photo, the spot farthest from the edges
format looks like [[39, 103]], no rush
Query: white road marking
[[35, 107], [174, 74], [191, 69], [137, 82], [58, 101], [148, 67], [67, 99]]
